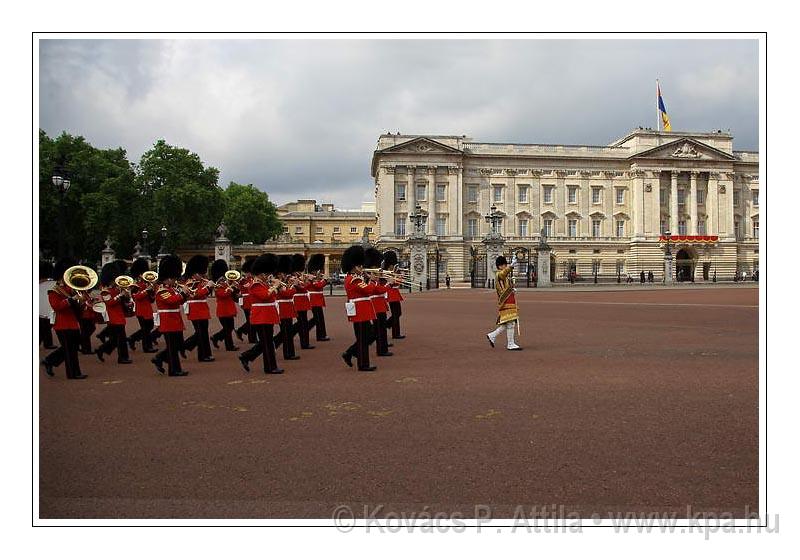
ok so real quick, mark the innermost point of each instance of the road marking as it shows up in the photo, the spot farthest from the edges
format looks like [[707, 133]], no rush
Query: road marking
[[112, 382], [489, 414], [644, 303]]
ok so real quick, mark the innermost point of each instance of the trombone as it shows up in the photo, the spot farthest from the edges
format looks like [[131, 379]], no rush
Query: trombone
[[397, 277]]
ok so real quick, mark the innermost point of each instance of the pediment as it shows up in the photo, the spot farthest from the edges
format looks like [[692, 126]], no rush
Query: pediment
[[420, 145], [684, 149]]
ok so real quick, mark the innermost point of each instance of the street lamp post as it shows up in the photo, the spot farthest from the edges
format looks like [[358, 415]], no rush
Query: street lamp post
[[62, 183], [145, 253], [419, 219], [668, 272], [162, 252], [494, 218]]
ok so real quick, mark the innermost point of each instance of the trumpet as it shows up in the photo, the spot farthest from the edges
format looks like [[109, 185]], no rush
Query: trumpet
[[393, 276]]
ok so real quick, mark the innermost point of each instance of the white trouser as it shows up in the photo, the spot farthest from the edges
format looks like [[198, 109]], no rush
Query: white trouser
[[510, 335]]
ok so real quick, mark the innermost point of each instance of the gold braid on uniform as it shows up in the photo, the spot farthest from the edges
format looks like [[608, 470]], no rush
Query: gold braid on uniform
[[504, 284]]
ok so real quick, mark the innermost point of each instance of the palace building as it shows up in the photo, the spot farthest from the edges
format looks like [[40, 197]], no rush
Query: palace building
[[605, 210]]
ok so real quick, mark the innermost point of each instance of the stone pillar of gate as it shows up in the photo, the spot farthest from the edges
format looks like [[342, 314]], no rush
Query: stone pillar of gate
[[223, 245], [107, 254], [543, 251], [419, 260], [494, 244]]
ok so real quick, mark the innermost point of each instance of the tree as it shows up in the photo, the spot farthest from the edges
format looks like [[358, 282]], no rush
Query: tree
[[179, 192], [249, 214]]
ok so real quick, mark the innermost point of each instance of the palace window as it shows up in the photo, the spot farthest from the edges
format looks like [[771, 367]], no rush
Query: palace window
[[441, 192], [681, 197], [422, 192], [620, 196], [399, 225], [337, 229], [522, 197], [620, 228], [755, 229], [319, 229], [701, 196], [523, 228], [441, 225], [497, 195], [701, 227], [755, 198], [548, 194], [472, 227], [548, 227], [681, 227], [595, 227], [353, 229], [572, 193], [472, 194], [596, 195], [573, 228], [298, 229], [369, 229], [285, 229], [736, 198], [400, 191]]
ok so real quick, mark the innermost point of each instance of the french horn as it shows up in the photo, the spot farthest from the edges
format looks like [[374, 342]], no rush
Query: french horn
[[80, 278], [123, 282], [233, 275], [150, 276]]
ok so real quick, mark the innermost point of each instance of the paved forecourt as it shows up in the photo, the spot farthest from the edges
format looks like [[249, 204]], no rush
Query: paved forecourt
[[637, 401]]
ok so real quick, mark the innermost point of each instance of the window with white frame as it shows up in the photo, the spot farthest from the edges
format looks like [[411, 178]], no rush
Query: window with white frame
[[441, 193], [472, 227], [681, 227], [441, 225], [497, 193], [353, 229], [701, 196], [369, 229], [681, 197], [596, 195], [755, 198], [400, 191], [422, 192], [319, 229], [620, 194], [523, 228], [522, 194], [620, 228], [755, 229], [596, 227], [285, 229], [572, 228], [548, 227], [572, 195], [548, 194], [472, 194], [337, 229], [399, 225], [701, 227], [298, 229]]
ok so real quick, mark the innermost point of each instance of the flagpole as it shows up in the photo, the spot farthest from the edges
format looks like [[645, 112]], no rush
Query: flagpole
[[658, 110]]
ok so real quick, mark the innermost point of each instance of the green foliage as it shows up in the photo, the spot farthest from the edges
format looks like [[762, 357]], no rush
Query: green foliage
[[110, 197], [249, 214]]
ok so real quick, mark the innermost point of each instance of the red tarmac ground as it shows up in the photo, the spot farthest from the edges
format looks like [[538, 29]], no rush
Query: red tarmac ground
[[642, 401]]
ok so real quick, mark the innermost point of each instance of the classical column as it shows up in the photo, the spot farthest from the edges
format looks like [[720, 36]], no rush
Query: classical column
[[387, 201], [411, 189], [693, 203], [712, 204], [729, 211], [673, 204], [431, 196], [637, 203]]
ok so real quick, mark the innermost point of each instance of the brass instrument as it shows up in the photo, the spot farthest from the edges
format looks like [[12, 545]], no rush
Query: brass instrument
[[150, 276], [233, 275], [80, 278], [398, 277], [124, 282]]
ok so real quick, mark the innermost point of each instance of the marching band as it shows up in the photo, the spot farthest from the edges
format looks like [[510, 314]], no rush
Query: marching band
[[275, 292]]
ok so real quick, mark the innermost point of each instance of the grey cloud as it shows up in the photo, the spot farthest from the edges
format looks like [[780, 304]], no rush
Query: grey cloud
[[300, 118]]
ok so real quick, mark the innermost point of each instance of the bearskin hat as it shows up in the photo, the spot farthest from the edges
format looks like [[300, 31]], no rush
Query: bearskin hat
[[285, 264], [500, 261], [198, 264], [169, 267], [45, 269], [372, 258], [122, 267], [109, 272], [139, 267], [316, 263], [265, 264], [390, 259], [352, 257], [298, 263], [248, 264], [218, 268], [61, 267]]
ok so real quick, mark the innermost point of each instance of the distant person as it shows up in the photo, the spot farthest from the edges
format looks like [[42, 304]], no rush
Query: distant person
[[447, 281], [507, 314], [46, 283], [650, 277], [641, 277]]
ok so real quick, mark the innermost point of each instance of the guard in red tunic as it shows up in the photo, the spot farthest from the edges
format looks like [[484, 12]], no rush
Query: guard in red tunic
[[263, 313], [393, 296], [143, 293], [196, 307], [244, 289], [316, 265], [168, 315], [358, 307], [301, 301], [116, 301], [67, 306], [225, 293], [46, 283], [373, 259], [286, 309]]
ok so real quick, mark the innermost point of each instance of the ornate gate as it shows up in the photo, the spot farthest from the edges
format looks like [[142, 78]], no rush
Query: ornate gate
[[523, 274], [478, 267]]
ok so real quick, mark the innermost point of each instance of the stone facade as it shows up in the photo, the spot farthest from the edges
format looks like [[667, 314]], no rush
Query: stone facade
[[604, 208], [306, 221]]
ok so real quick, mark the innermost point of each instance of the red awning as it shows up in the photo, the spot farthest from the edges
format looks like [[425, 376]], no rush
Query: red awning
[[689, 238]]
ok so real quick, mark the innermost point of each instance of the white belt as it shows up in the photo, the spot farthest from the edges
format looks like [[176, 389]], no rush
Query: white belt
[[285, 300], [197, 301], [315, 292], [272, 304], [361, 299], [169, 311], [378, 295], [300, 295]]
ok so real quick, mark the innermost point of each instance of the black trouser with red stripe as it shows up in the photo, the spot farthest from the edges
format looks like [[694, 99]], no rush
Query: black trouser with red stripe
[[365, 335], [225, 333], [285, 337], [264, 348], [144, 333], [318, 322], [174, 343], [118, 338], [67, 352], [45, 332], [88, 327], [199, 339], [394, 320], [380, 326], [302, 327], [247, 328]]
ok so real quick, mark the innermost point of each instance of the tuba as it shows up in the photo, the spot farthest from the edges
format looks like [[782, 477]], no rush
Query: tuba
[[150, 276], [123, 282], [80, 278], [233, 275]]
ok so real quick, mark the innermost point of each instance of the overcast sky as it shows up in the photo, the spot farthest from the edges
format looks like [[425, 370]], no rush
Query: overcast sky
[[300, 118]]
